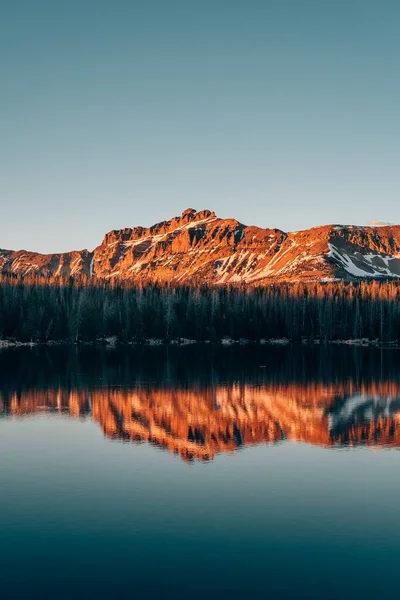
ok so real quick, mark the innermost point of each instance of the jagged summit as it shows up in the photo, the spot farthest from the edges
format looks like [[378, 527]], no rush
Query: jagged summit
[[190, 215], [189, 211], [199, 247]]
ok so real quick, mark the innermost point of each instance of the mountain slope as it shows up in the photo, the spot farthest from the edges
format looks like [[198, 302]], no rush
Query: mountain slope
[[200, 247]]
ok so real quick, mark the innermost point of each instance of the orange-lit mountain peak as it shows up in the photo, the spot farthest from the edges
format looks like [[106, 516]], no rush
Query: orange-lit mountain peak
[[198, 247]]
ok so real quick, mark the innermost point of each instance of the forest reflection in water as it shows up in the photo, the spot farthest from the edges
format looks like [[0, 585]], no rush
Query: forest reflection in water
[[198, 401]]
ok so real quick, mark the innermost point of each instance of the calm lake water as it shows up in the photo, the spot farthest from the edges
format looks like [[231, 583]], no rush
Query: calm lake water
[[199, 472]]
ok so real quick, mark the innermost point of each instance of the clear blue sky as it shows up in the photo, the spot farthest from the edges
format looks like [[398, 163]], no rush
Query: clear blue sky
[[281, 113]]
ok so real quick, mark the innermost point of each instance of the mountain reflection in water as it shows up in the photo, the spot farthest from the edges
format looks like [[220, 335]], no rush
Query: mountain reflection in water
[[200, 401]]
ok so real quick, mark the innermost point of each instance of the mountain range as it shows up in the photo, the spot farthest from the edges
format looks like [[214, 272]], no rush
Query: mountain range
[[199, 247]]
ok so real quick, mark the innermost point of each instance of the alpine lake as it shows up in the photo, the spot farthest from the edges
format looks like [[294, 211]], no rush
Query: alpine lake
[[199, 471]]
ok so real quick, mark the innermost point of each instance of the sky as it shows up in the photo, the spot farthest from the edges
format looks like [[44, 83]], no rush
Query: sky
[[116, 113]]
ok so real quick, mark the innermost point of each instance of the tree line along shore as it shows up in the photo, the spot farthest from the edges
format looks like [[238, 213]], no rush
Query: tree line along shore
[[40, 310]]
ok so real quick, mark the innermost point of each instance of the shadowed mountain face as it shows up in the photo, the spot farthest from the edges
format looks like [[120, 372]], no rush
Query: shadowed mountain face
[[220, 403], [200, 247]]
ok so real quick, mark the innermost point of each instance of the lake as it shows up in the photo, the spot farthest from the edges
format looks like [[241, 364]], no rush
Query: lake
[[199, 471]]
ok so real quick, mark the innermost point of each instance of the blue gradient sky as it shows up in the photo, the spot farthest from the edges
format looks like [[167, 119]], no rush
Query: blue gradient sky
[[281, 113]]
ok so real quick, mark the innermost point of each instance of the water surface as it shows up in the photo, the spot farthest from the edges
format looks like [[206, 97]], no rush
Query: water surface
[[226, 472]]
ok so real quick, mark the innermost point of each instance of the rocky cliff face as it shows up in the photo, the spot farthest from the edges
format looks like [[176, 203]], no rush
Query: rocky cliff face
[[200, 247], [68, 264], [198, 423]]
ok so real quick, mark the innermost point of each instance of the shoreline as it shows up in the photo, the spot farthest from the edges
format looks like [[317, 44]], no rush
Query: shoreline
[[114, 343]]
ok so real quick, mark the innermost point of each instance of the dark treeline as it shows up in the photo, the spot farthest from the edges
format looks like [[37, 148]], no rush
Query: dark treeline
[[86, 311]]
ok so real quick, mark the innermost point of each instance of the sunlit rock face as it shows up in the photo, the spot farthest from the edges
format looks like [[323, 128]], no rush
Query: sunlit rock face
[[69, 264], [198, 423], [199, 247]]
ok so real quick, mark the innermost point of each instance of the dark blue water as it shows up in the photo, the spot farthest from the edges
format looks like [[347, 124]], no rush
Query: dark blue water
[[199, 473]]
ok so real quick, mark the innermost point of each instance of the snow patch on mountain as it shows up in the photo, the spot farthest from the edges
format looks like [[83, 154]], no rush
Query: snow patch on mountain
[[373, 265]]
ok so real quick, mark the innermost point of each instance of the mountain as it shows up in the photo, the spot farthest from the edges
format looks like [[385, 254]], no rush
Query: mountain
[[200, 247], [198, 423]]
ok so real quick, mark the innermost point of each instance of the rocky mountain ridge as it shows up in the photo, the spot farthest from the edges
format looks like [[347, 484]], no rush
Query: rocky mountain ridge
[[199, 247]]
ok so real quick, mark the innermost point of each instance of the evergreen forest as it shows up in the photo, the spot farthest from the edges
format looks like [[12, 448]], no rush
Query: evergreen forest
[[39, 310]]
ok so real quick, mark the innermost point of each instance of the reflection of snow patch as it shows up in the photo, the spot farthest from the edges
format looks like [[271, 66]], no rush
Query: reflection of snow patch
[[362, 408]]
